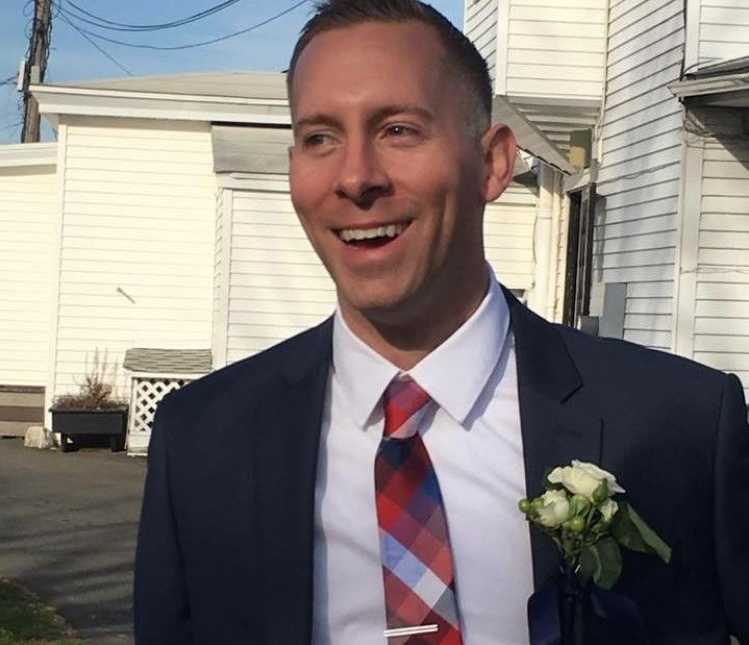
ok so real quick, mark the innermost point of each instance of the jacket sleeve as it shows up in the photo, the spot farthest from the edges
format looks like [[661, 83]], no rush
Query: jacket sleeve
[[732, 507], [160, 603]]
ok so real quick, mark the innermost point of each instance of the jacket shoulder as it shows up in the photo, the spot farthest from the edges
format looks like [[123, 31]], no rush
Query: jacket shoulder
[[611, 359]]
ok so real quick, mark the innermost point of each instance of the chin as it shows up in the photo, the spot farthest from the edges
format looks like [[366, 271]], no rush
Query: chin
[[373, 303]]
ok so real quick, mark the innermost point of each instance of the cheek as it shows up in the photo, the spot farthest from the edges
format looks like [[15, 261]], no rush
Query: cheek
[[307, 183]]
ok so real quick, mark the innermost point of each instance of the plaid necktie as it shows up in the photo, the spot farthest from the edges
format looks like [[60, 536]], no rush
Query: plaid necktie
[[417, 563]]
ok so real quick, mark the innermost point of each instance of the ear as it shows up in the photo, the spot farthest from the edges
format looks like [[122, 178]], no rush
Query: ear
[[499, 149]]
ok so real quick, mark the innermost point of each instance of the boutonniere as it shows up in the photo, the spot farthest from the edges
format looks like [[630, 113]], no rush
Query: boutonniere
[[584, 514]]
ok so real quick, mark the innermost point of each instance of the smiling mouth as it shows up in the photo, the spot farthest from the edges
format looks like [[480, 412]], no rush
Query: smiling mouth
[[371, 237]]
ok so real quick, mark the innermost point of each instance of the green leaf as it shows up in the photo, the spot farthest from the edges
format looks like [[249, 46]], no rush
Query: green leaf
[[649, 536], [625, 531], [601, 562], [610, 556]]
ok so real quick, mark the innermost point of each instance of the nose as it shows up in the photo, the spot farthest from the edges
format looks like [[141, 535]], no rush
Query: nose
[[362, 177]]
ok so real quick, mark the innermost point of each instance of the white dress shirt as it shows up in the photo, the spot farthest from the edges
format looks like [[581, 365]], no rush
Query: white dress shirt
[[475, 444]]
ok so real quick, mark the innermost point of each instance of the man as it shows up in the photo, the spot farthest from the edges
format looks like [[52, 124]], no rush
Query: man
[[274, 504]]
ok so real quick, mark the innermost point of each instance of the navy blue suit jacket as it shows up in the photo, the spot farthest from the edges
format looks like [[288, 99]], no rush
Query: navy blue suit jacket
[[225, 549]]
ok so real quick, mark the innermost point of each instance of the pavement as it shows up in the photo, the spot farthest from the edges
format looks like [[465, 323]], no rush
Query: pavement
[[68, 526]]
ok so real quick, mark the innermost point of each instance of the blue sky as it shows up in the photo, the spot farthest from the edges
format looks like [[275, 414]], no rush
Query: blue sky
[[73, 58]]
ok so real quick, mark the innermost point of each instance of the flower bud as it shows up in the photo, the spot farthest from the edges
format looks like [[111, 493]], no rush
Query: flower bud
[[525, 506], [601, 493], [576, 524]]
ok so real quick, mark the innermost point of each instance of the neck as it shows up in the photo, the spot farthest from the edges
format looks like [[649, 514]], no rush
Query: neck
[[406, 339]]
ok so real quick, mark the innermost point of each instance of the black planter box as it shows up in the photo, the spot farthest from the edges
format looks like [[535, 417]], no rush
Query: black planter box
[[77, 422]]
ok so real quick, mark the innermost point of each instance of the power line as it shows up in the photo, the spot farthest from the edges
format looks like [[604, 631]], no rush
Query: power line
[[104, 23], [64, 12], [95, 44]]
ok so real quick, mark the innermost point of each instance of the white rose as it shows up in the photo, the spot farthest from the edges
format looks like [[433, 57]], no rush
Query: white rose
[[554, 508], [600, 474], [608, 509], [583, 478]]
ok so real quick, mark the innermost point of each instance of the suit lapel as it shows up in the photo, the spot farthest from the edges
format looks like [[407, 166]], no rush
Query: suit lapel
[[559, 420], [285, 470]]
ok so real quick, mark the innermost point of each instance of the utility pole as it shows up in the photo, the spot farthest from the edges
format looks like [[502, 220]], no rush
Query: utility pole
[[36, 67]]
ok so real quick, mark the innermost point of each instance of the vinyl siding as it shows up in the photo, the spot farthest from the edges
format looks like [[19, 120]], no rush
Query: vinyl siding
[[723, 31], [722, 306], [218, 336], [277, 285], [556, 48], [635, 235], [508, 236], [28, 216], [480, 25], [137, 259]]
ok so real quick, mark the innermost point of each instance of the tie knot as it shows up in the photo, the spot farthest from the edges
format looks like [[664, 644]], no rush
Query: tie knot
[[405, 403]]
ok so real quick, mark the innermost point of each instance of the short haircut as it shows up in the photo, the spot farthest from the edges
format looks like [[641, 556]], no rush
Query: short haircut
[[461, 54]]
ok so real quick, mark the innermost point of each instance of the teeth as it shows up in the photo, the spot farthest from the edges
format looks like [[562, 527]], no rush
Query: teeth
[[350, 234]]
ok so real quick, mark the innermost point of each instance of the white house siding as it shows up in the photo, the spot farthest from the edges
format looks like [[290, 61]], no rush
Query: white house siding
[[556, 48], [137, 255], [635, 234], [722, 306], [277, 285], [28, 211], [508, 236], [480, 25], [723, 30], [218, 340]]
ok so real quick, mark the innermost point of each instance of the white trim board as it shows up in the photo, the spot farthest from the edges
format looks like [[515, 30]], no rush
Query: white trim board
[[28, 154], [55, 101]]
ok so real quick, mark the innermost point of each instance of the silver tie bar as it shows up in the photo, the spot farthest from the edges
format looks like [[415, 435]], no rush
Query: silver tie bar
[[410, 631]]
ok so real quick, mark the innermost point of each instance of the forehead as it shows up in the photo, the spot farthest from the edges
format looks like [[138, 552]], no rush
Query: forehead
[[369, 62]]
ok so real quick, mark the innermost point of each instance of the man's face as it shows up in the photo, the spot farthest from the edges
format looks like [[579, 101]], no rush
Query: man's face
[[386, 177]]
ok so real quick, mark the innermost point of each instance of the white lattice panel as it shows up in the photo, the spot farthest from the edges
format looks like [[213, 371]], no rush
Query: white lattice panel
[[146, 392]]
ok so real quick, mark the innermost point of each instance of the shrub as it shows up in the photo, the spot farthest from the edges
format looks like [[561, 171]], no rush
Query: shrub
[[95, 392]]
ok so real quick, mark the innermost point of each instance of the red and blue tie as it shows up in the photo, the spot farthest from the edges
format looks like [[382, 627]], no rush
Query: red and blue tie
[[417, 564]]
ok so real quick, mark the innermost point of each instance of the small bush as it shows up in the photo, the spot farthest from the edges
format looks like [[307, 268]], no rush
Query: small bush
[[95, 393]]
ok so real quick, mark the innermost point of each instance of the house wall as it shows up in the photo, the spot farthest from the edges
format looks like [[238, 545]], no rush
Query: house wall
[[480, 25], [28, 212], [508, 236], [221, 260], [723, 30], [277, 285], [541, 48], [137, 247], [555, 49], [721, 325], [636, 233]]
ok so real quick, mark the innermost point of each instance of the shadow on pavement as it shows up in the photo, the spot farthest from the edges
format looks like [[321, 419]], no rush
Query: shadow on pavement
[[68, 527]]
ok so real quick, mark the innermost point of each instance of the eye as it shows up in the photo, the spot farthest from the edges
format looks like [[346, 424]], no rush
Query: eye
[[316, 139], [400, 130]]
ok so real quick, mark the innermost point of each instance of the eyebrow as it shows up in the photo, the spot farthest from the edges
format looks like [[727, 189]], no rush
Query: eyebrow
[[379, 115]]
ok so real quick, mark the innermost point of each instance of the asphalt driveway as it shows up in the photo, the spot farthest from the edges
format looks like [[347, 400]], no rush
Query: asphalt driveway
[[68, 525]]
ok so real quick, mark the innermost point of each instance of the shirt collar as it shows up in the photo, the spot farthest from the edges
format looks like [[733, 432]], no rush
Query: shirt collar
[[454, 374]]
